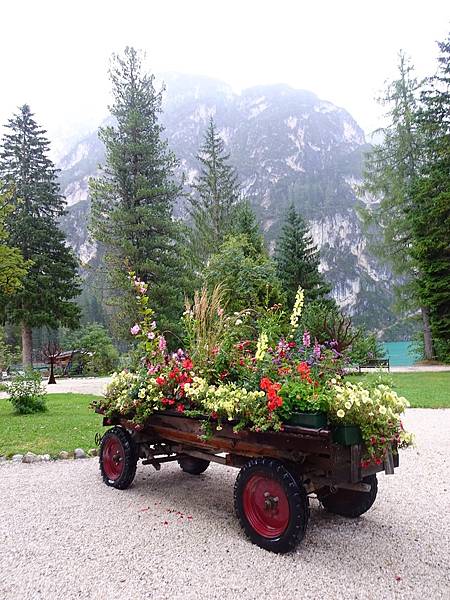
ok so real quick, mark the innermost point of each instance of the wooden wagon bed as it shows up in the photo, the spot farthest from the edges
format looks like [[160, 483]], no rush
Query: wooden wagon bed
[[278, 470]]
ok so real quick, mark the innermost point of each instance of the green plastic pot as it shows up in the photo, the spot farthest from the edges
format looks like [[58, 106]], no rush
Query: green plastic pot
[[347, 435], [304, 419]]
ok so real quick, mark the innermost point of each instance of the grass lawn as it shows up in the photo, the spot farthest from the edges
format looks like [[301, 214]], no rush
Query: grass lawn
[[69, 423], [423, 390]]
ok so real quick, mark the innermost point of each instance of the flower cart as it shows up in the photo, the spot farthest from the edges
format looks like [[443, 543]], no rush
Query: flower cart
[[272, 404], [278, 470]]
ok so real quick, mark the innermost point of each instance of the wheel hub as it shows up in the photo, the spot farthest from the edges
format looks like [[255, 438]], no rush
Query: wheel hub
[[266, 506]]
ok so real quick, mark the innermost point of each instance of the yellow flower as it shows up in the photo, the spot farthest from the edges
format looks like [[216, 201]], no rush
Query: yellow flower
[[382, 410], [348, 405], [141, 393], [340, 413]]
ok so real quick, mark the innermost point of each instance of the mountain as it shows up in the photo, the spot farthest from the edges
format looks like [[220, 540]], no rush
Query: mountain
[[287, 146]]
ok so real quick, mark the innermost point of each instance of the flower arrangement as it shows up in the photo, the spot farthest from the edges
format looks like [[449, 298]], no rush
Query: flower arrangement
[[231, 372]]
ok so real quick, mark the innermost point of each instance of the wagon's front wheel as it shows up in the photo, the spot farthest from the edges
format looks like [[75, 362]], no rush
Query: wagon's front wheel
[[272, 507], [118, 458]]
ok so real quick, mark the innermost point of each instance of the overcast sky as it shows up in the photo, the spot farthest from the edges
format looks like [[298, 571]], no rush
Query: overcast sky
[[54, 54]]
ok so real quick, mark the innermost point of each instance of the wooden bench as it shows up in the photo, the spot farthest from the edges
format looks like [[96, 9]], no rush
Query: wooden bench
[[375, 363]]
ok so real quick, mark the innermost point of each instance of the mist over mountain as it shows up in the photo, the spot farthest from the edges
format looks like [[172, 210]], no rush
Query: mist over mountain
[[288, 146]]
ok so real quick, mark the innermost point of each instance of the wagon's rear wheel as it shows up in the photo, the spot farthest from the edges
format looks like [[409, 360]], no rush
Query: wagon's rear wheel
[[118, 458], [349, 503], [272, 507], [193, 465]]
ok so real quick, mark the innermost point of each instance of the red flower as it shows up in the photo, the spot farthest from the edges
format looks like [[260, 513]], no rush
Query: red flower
[[180, 408], [265, 383], [171, 401], [292, 344], [160, 380], [378, 461], [303, 369], [214, 415], [187, 364]]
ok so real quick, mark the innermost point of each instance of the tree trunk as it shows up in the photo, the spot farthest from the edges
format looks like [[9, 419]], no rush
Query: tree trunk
[[27, 346], [427, 339]]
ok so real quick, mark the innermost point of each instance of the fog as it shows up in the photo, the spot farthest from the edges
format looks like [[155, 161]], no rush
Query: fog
[[54, 55]]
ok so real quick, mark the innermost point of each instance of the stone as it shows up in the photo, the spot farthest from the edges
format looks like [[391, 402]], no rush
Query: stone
[[45, 457], [63, 455], [17, 458], [3, 458], [30, 457], [79, 453], [93, 452]]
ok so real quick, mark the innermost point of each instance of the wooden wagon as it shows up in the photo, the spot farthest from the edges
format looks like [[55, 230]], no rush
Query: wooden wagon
[[278, 470]]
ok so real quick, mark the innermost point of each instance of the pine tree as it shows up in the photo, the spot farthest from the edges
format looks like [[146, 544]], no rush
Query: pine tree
[[214, 198], [297, 259], [46, 296], [132, 200], [392, 169]]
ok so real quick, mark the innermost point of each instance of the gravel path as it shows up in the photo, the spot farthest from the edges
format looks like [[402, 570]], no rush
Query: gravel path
[[65, 535]]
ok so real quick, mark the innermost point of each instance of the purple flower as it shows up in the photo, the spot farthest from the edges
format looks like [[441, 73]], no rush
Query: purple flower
[[316, 350], [135, 329], [306, 339]]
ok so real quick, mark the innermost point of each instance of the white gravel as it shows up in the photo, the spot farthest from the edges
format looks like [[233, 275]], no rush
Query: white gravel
[[64, 535]]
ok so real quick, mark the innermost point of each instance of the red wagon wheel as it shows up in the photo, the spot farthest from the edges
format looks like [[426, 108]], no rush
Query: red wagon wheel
[[118, 458], [271, 505]]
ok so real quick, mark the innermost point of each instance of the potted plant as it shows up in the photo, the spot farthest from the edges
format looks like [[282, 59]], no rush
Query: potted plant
[[302, 404]]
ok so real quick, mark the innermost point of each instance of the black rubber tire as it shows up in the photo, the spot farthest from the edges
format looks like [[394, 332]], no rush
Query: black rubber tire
[[193, 465], [296, 497], [349, 503], [130, 458]]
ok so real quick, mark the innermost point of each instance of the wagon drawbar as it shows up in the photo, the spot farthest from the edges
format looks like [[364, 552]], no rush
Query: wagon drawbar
[[278, 470]]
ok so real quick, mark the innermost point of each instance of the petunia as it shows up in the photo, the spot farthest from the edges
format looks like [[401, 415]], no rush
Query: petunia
[[135, 329]]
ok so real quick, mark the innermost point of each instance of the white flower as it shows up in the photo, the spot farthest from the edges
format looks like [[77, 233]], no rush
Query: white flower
[[238, 322], [340, 413]]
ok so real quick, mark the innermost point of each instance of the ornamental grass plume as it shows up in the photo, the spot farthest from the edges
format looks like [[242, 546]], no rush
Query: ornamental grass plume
[[204, 320]]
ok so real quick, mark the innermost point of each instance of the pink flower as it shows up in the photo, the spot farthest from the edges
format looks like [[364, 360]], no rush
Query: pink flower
[[151, 335], [162, 344], [307, 339], [135, 329], [316, 350]]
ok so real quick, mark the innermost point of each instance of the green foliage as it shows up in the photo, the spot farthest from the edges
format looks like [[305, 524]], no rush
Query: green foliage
[[248, 279], [132, 200], [50, 285], [245, 224], [8, 354], [26, 393], [298, 260], [214, 198], [100, 356], [13, 267], [299, 396]]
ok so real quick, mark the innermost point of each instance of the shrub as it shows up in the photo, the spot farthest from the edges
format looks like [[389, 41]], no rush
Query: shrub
[[100, 356], [27, 394]]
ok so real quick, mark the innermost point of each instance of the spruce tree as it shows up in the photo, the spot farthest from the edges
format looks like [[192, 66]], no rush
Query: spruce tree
[[214, 198], [133, 198], [245, 224], [430, 218], [297, 259], [49, 287], [392, 169]]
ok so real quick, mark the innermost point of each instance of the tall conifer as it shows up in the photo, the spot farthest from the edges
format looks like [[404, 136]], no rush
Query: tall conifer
[[297, 259], [214, 198], [132, 200], [46, 296]]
